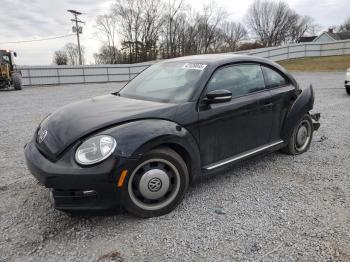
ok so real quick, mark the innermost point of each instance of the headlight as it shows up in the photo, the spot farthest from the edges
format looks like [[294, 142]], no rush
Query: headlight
[[95, 149]]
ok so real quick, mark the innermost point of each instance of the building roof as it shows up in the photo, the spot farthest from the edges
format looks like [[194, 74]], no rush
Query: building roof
[[305, 39], [343, 35], [336, 36]]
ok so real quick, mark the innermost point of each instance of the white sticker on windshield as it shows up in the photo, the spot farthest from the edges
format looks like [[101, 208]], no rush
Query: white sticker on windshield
[[194, 66]]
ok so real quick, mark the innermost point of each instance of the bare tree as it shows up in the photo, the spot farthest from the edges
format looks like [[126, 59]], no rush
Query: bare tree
[[189, 33], [107, 56], [72, 52], [60, 58], [150, 29], [300, 26], [209, 22], [139, 24], [128, 13], [107, 27], [233, 34], [171, 27], [345, 27], [270, 22]]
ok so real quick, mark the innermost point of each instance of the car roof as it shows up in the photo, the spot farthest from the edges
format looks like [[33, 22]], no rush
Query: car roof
[[217, 59]]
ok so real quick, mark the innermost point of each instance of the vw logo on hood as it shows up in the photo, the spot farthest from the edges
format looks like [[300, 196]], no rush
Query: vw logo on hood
[[42, 136]]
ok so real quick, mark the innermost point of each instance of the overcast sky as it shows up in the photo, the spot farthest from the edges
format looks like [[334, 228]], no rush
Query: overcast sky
[[34, 19]]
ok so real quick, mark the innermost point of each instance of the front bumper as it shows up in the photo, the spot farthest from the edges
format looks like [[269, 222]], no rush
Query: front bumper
[[74, 187]]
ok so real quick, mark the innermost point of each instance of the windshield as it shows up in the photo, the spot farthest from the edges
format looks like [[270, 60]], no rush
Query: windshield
[[165, 82], [6, 58]]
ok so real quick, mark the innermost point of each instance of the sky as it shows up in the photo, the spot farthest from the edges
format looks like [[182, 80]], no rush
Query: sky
[[23, 20]]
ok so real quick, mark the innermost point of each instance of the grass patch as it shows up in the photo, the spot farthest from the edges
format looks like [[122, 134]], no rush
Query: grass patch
[[317, 64]]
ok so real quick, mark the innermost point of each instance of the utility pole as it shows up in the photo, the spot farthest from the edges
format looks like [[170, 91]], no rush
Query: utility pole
[[77, 29]]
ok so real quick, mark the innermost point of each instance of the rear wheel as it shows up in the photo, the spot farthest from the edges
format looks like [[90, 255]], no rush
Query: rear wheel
[[157, 185], [17, 81], [347, 88], [301, 138]]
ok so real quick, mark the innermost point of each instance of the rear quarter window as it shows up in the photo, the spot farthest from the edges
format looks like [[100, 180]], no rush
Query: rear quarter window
[[274, 78]]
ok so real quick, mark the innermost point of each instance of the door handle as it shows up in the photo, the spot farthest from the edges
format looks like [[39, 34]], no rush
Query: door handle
[[268, 105]]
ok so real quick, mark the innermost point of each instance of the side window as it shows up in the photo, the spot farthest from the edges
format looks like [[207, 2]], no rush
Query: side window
[[239, 79], [273, 78]]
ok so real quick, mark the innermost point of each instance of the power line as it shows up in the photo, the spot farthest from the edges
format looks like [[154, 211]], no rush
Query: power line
[[36, 40]]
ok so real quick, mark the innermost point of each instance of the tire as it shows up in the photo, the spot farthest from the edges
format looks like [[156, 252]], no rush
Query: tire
[[157, 185], [347, 88], [298, 143], [17, 81]]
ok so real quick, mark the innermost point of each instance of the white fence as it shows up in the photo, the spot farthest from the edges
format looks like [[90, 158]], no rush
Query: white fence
[[301, 50], [55, 75]]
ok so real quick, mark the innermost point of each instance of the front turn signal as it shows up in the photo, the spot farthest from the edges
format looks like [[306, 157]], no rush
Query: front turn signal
[[122, 178]]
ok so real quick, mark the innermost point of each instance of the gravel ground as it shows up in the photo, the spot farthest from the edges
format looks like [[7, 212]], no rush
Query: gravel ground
[[273, 208]]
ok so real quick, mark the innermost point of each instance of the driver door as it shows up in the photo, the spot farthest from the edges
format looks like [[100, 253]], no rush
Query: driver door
[[241, 124]]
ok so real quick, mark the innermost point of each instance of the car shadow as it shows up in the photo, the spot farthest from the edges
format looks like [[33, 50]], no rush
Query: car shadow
[[7, 90], [95, 213]]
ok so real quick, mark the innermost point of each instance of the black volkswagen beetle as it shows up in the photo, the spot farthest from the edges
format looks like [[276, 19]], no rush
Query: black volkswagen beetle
[[175, 123]]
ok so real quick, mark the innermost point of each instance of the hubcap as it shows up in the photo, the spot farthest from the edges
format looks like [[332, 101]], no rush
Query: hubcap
[[303, 135], [154, 184]]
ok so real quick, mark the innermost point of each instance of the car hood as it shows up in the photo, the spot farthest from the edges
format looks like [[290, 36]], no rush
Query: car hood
[[74, 121]]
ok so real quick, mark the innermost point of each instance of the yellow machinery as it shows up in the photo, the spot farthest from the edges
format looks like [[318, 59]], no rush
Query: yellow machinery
[[9, 75]]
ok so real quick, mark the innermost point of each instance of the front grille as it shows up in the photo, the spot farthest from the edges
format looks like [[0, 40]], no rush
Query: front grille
[[73, 197]]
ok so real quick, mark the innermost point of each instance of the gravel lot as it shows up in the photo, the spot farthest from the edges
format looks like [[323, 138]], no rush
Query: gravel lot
[[273, 208]]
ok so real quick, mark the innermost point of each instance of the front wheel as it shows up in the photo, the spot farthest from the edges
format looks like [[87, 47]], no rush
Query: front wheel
[[301, 138], [157, 184], [17, 81]]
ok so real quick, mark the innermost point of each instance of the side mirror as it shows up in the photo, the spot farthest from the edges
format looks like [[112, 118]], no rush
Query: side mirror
[[14, 54], [218, 96]]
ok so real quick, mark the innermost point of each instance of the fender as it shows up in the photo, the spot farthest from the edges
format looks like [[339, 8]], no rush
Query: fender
[[303, 104], [138, 137]]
